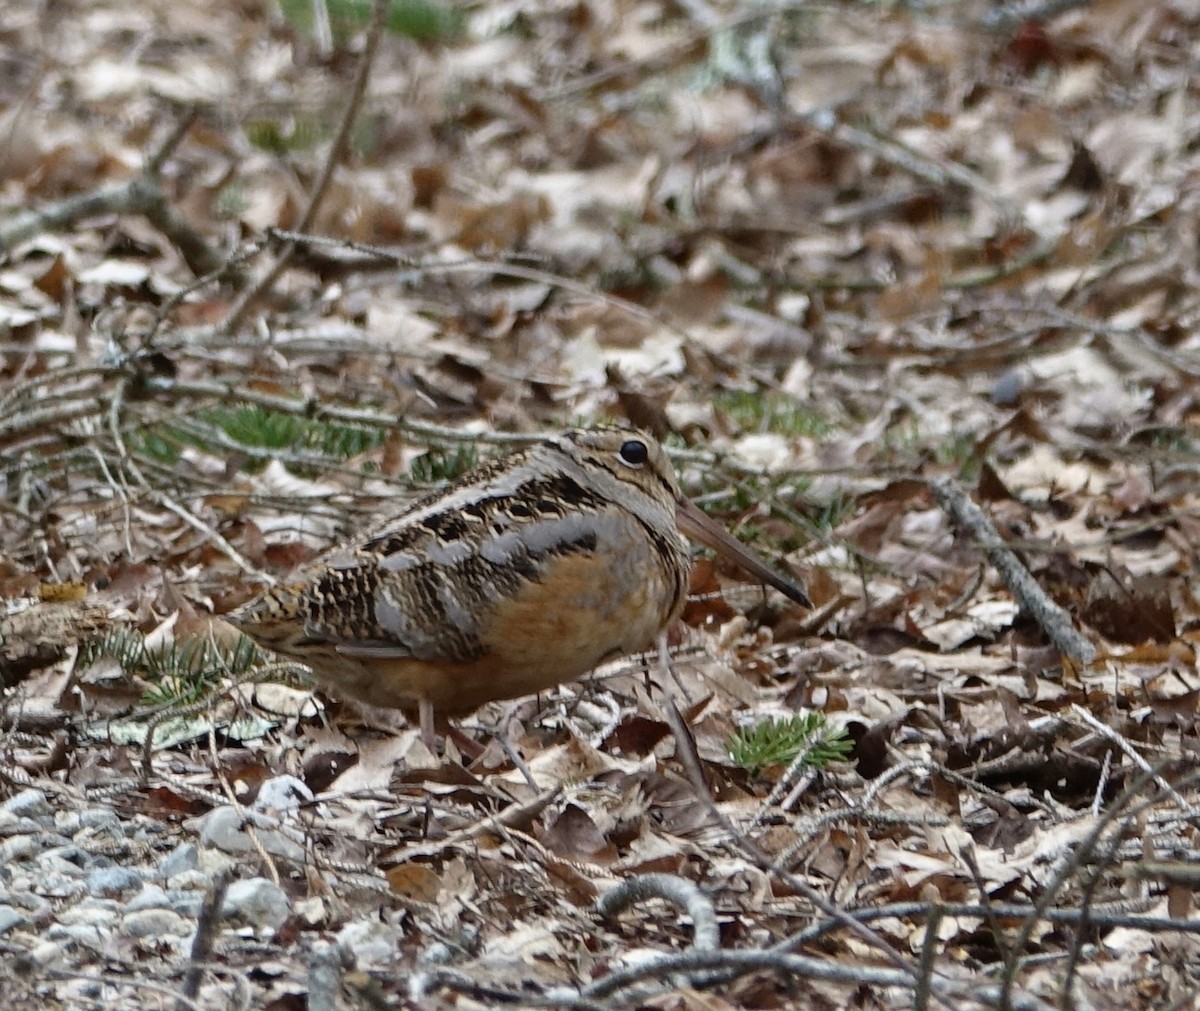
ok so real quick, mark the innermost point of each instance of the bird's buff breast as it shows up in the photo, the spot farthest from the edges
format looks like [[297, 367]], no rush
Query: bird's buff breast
[[585, 609]]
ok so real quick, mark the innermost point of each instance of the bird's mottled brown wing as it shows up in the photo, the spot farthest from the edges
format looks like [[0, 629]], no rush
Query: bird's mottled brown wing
[[427, 587]]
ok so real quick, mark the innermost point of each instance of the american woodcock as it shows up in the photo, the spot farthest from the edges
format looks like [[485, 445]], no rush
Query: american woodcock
[[526, 572]]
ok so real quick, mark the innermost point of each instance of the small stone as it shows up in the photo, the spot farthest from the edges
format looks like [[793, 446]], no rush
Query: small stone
[[313, 910], [258, 902], [73, 855], [102, 819], [52, 863], [150, 897], [67, 822], [184, 857], [223, 828], [17, 847], [96, 915], [192, 880], [27, 900], [372, 944], [82, 935], [1006, 390], [155, 923], [282, 793], [114, 881], [10, 918], [187, 903], [47, 953], [28, 803], [58, 886], [78, 991]]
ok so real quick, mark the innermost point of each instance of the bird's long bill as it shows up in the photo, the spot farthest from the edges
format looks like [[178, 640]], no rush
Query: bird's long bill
[[694, 524]]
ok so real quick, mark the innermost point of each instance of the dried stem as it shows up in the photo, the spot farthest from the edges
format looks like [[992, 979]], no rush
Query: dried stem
[[972, 520], [337, 153]]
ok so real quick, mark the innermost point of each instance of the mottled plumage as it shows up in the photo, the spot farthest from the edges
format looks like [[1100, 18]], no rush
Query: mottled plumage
[[525, 573]]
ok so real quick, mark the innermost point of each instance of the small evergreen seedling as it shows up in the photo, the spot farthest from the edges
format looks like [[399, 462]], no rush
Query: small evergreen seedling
[[439, 465], [182, 671], [781, 741]]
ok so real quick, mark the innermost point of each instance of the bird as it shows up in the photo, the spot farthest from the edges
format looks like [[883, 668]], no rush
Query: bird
[[526, 572]]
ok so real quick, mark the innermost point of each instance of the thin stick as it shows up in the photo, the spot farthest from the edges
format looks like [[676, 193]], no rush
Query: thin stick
[[207, 926], [972, 520], [337, 152], [680, 891]]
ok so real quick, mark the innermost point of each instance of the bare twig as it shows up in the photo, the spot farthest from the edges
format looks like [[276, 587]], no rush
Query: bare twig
[[673, 888], [142, 195], [1130, 752], [1104, 916], [499, 268], [972, 520], [337, 152], [929, 951], [699, 964], [207, 925], [499, 823], [1073, 861]]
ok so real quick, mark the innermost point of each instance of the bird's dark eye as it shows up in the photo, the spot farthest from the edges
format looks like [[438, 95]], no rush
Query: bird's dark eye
[[634, 452]]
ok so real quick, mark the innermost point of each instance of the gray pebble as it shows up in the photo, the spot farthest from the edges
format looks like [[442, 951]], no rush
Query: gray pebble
[[17, 847], [372, 944], [72, 853], [47, 953], [150, 897], [55, 886], [67, 822], [184, 857], [155, 923], [258, 902], [156, 897], [282, 793], [102, 819], [27, 900], [82, 935], [77, 991], [186, 903], [1006, 390], [223, 828], [114, 881], [10, 918], [62, 861], [29, 803], [197, 880], [92, 912], [52, 866]]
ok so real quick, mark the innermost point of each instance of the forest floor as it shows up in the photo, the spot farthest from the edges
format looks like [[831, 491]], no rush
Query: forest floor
[[910, 292]]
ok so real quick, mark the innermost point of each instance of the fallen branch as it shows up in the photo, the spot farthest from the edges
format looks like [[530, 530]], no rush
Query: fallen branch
[[337, 152], [972, 520], [143, 194], [208, 924], [673, 888]]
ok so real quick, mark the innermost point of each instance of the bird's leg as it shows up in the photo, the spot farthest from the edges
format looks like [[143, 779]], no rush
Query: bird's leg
[[664, 658], [428, 732], [429, 728]]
